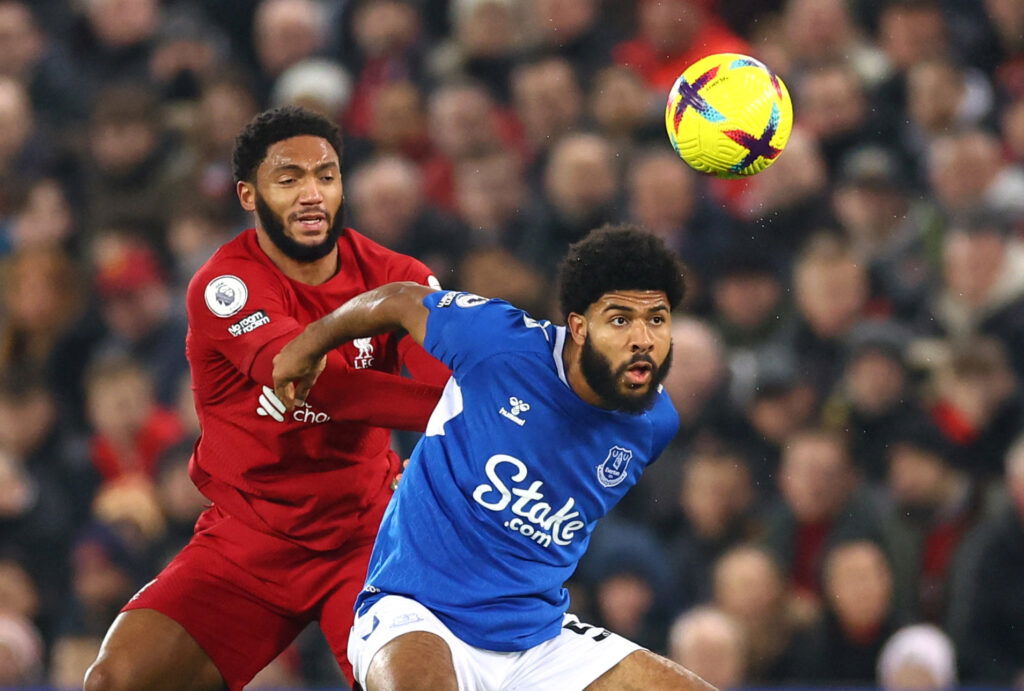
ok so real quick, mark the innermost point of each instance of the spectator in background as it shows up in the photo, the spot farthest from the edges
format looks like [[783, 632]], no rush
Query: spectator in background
[[869, 402], [858, 617], [943, 97], [748, 307], [285, 32], [129, 174], [28, 55], [491, 196], [917, 657], [496, 272], [113, 41], [988, 604], [21, 652], [104, 573], [388, 201], [975, 400], [671, 35], [397, 126], [130, 430], [41, 215], [714, 502], [47, 328], [486, 35], [386, 37], [711, 644], [967, 170], [188, 51], [830, 289], [908, 32], [549, 103], [572, 29], [822, 506], [936, 504], [320, 85], [749, 586], [225, 104], [624, 110], [70, 656], [464, 123], [982, 291], [835, 110], [24, 152], [180, 501], [889, 229], [137, 308], [580, 190], [823, 32]]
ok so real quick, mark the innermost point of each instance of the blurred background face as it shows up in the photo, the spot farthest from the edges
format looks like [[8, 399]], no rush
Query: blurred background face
[[581, 176], [15, 119], [487, 29], [830, 294], [120, 23], [489, 191], [961, 168], [814, 477], [119, 405], [387, 198], [624, 600], [972, 264], [559, 22], [619, 101], [21, 45], [911, 34], [747, 300], [669, 25], [934, 90], [715, 492], [547, 100], [383, 27], [286, 32], [832, 102], [462, 121], [875, 382], [747, 585], [859, 585], [698, 366], [815, 30], [915, 476], [662, 195], [710, 644]]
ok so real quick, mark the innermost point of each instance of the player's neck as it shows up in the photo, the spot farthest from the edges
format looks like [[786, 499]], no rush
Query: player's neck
[[574, 375], [311, 273]]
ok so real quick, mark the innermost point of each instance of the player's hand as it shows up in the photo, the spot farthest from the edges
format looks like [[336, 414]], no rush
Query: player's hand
[[295, 372]]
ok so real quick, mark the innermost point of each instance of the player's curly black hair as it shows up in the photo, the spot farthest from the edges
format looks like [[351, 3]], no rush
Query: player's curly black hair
[[272, 126], [617, 257]]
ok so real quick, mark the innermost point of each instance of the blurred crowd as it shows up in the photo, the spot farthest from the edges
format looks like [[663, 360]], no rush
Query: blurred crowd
[[844, 503]]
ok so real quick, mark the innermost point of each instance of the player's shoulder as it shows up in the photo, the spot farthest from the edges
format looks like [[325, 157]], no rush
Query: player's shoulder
[[392, 265], [230, 274], [495, 320]]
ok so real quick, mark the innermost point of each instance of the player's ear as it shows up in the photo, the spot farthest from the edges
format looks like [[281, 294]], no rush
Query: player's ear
[[246, 192], [577, 324]]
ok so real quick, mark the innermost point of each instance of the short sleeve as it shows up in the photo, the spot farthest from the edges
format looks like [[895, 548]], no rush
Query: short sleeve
[[464, 329]]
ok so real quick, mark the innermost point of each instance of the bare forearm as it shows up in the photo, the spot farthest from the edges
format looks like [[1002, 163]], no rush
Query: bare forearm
[[391, 307]]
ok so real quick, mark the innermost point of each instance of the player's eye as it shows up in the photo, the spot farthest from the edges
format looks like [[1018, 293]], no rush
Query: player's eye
[[285, 181], [658, 320], [327, 178], [619, 321]]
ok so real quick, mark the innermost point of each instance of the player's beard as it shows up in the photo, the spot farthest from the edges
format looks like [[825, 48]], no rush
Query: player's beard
[[604, 380], [274, 226]]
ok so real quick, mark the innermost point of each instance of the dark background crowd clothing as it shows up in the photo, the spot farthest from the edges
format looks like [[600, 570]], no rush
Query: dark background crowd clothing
[[847, 367]]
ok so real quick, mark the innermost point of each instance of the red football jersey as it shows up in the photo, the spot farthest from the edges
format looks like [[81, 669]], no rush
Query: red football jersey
[[306, 475]]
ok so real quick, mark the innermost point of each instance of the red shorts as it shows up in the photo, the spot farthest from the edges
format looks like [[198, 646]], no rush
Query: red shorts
[[244, 595]]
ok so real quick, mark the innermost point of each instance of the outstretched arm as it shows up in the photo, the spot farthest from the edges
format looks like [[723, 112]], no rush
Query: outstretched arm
[[391, 307]]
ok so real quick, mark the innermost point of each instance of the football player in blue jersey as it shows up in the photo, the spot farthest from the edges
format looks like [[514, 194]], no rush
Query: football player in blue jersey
[[538, 434]]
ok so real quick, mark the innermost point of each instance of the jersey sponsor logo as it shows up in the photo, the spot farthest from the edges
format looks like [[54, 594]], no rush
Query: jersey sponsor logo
[[405, 619], [271, 406], [542, 324], [447, 298], [373, 627], [517, 407], [469, 300], [534, 517], [364, 359], [249, 323], [226, 295], [613, 470]]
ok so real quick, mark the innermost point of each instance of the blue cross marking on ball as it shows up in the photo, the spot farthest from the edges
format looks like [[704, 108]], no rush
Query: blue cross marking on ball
[[691, 98], [757, 146]]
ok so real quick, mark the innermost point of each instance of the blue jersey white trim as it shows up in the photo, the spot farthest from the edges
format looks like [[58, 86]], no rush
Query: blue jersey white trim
[[501, 496]]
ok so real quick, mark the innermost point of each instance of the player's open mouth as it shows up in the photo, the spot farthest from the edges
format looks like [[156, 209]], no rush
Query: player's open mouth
[[639, 374], [316, 222]]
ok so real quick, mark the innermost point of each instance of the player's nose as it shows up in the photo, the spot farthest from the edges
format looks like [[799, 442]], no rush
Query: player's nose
[[641, 338], [310, 192]]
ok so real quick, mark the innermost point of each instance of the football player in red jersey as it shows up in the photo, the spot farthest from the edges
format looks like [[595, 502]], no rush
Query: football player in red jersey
[[297, 495]]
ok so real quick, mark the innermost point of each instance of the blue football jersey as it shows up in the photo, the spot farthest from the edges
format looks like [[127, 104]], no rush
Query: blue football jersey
[[504, 489]]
